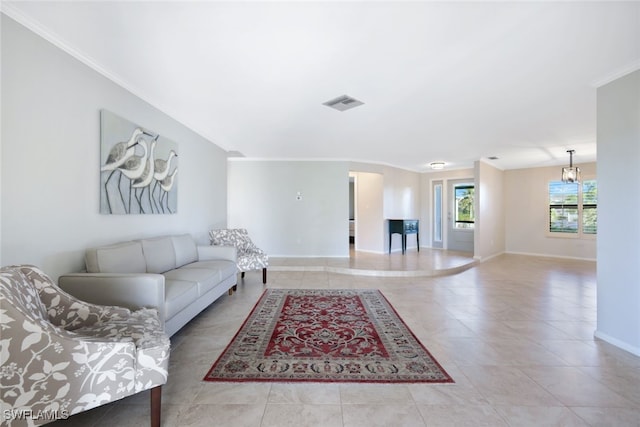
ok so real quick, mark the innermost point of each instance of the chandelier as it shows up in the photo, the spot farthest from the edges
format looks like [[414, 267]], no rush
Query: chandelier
[[571, 174]]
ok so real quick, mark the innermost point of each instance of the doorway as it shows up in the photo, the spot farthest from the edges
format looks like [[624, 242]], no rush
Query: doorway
[[368, 203], [461, 215]]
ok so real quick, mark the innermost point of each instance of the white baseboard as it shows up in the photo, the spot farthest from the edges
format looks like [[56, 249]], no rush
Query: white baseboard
[[375, 252], [616, 342], [487, 258], [308, 256], [550, 256]]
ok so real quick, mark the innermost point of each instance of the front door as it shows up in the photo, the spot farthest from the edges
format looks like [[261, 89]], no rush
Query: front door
[[461, 215]]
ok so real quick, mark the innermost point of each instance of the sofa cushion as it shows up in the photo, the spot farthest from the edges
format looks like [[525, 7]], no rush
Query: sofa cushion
[[206, 279], [178, 294], [226, 268], [185, 249], [126, 257], [159, 254]]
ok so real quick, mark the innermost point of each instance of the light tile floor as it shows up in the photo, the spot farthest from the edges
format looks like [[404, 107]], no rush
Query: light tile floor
[[515, 333]]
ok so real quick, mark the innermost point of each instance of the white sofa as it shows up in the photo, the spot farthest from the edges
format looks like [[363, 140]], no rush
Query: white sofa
[[169, 273]]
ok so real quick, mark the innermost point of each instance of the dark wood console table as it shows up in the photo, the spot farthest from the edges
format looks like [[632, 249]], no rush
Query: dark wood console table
[[404, 227]]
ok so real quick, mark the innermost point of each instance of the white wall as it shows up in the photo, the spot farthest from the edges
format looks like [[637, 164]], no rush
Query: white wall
[[401, 193], [527, 217], [262, 199], [50, 160], [618, 207], [489, 237], [401, 201], [369, 212]]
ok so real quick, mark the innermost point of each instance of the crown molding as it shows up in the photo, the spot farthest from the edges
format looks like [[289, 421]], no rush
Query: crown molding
[[615, 75], [34, 26]]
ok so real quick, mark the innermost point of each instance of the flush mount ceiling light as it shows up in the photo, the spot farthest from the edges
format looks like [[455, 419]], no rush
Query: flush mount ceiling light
[[342, 103], [571, 174], [437, 165]]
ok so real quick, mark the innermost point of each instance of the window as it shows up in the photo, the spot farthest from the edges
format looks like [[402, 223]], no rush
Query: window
[[437, 212], [563, 207], [573, 208], [464, 210], [589, 207]]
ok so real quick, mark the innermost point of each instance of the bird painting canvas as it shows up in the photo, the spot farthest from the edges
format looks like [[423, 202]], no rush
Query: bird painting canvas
[[138, 169]]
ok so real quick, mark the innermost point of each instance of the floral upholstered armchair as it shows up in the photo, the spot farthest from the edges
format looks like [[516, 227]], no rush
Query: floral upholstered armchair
[[250, 257], [60, 356]]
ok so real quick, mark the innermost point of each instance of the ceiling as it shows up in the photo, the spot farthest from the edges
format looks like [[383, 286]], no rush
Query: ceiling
[[440, 81]]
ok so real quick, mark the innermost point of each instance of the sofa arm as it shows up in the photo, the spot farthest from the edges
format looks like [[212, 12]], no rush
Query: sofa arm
[[130, 290], [206, 253]]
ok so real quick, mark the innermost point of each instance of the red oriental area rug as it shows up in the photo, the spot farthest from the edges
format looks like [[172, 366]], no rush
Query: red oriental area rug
[[326, 335]]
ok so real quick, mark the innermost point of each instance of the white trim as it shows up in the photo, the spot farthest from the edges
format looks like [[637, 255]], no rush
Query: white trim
[[620, 72], [375, 252], [12, 12], [310, 256], [320, 159], [288, 159], [550, 256], [616, 342], [487, 258]]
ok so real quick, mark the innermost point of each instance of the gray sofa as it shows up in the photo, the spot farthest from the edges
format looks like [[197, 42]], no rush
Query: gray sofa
[[169, 273]]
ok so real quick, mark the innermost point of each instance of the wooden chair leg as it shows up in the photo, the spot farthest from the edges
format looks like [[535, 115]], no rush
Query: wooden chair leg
[[264, 275], [156, 404]]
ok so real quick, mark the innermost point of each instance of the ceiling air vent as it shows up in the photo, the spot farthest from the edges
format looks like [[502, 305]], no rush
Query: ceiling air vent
[[342, 103]]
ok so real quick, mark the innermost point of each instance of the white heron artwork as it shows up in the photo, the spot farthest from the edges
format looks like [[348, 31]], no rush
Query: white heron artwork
[[138, 169]]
